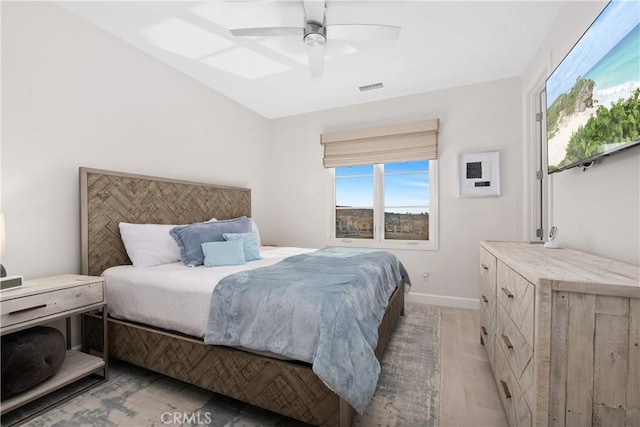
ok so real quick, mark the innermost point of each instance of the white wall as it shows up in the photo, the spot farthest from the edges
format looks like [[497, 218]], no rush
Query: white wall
[[472, 118], [74, 96], [597, 211]]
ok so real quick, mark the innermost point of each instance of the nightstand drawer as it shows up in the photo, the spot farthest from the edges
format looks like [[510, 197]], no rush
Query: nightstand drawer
[[23, 309]]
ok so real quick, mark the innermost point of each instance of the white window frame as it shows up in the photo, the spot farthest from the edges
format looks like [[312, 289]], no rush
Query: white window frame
[[378, 241]]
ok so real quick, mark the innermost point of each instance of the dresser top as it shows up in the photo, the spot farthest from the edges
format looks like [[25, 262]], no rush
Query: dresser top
[[567, 269]]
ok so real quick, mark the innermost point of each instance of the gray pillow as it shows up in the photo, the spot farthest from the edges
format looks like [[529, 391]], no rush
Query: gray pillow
[[191, 237]]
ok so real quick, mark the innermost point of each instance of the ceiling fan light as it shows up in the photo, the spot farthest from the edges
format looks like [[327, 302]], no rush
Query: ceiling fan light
[[314, 34]]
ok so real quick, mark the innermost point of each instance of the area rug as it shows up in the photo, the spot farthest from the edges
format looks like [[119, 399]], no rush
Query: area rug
[[407, 393]]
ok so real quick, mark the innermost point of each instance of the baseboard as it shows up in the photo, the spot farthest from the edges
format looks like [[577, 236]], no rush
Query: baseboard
[[442, 300]]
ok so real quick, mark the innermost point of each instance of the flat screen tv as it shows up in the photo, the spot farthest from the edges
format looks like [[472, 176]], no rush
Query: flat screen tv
[[593, 96]]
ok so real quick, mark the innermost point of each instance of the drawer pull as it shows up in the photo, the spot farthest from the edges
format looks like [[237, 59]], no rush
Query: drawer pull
[[484, 330], [505, 389], [484, 267], [507, 341], [35, 307], [484, 299], [508, 292]]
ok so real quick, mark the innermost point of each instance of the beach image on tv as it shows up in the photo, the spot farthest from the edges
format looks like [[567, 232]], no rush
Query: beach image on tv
[[593, 96]]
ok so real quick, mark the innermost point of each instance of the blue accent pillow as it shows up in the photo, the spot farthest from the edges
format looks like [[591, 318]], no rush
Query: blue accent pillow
[[217, 254], [191, 237], [250, 244]]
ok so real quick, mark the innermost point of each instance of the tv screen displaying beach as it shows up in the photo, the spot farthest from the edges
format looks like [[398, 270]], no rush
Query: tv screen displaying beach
[[593, 96]]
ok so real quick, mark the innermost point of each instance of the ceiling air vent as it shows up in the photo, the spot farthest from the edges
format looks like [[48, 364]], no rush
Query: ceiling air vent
[[374, 86]]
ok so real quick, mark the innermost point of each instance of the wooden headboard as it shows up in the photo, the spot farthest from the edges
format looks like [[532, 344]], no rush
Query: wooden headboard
[[108, 198]]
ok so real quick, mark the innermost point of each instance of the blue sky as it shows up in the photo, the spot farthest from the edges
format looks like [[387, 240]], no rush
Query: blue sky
[[402, 188], [615, 22]]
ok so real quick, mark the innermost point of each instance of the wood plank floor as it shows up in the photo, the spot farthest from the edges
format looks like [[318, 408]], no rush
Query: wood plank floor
[[468, 393]]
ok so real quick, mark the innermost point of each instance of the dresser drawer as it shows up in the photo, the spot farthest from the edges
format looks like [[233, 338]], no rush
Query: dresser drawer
[[487, 336], [517, 351], [487, 271], [513, 400], [516, 295], [488, 302], [23, 309]]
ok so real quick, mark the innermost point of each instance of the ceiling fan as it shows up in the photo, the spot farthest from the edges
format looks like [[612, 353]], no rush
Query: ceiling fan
[[315, 32]]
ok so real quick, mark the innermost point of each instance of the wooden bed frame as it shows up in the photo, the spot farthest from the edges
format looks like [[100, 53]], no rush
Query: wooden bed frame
[[286, 387]]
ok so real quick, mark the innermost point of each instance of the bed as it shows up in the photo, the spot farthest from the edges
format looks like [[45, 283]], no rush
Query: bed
[[287, 387]]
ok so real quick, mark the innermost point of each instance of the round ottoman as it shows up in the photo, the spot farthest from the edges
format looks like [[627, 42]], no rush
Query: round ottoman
[[30, 357]]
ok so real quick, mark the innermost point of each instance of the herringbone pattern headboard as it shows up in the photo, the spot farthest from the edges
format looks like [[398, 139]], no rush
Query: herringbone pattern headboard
[[108, 198]]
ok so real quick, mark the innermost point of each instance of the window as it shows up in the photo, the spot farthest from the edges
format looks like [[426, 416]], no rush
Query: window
[[354, 202], [390, 205], [406, 201], [384, 185]]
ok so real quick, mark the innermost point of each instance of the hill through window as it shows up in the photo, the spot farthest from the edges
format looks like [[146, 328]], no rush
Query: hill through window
[[386, 205]]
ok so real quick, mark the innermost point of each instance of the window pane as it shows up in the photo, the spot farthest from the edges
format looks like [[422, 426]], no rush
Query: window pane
[[417, 166], [356, 192], [406, 190], [354, 223], [355, 170], [406, 224], [405, 202]]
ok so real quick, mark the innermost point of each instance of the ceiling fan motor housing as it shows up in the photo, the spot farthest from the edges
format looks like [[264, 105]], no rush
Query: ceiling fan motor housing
[[314, 34]]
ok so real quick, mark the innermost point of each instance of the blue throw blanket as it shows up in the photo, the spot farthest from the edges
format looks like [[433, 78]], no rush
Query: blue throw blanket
[[323, 308]]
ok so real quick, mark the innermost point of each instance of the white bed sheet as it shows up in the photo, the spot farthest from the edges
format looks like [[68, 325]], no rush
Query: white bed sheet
[[173, 296]]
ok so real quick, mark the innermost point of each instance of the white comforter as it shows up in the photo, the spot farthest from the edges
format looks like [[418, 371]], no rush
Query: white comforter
[[173, 296]]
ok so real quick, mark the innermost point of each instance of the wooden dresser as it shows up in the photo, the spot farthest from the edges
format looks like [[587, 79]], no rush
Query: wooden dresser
[[562, 332]]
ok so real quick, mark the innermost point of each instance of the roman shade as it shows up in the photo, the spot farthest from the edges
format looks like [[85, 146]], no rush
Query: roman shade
[[395, 143]]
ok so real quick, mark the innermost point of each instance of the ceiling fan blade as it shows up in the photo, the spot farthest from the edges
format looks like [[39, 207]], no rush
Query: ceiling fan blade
[[364, 32], [314, 10], [316, 60], [267, 32]]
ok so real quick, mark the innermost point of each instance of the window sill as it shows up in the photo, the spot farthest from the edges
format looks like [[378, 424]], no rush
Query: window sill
[[406, 246]]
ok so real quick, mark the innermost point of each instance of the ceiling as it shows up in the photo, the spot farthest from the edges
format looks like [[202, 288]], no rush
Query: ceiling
[[442, 44]]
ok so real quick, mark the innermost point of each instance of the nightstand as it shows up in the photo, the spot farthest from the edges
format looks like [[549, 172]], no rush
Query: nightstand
[[47, 299]]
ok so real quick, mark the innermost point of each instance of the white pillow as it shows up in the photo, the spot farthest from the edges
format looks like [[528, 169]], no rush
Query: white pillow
[[254, 228], [149, 244]]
